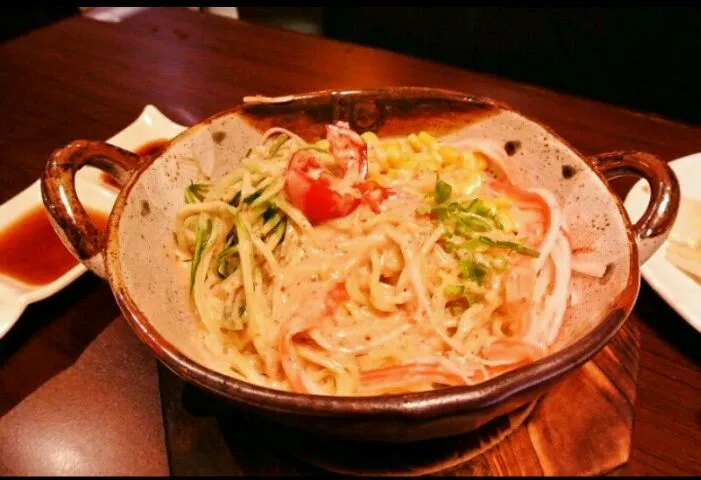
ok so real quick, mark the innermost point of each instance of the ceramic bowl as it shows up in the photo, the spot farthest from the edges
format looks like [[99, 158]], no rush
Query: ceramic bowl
[[134, 257]]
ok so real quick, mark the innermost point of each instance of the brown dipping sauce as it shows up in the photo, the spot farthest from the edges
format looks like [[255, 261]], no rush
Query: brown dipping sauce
[[150, 149], [31, 252]]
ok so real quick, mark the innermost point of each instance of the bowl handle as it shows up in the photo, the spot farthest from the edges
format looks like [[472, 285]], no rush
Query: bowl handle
[[654, 226], [66, 213]]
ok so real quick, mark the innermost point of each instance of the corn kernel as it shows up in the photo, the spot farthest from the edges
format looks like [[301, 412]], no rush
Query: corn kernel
[[427, 139], [403, 174], [482, 161], [379, 178], [433, 165], [370, 137], [449, 154], [428, 166], [427, 161], [409, 165], [413, 140], [422, 157], [323, 143], [449, 169], [395, 156], [490, 205], [406, 147], [467, 162], [378, 156]]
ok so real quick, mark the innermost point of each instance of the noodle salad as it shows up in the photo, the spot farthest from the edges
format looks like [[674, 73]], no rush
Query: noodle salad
[[364, 266]]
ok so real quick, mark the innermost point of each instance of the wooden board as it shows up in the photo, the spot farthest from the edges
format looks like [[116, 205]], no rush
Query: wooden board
[[581, 427]]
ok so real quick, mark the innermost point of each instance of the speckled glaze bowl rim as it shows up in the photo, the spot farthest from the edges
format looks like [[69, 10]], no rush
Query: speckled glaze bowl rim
[[426, 404]]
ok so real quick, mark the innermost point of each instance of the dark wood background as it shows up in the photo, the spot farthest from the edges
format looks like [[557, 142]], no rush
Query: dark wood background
[[78, 392], [641, 57], [644, 58]]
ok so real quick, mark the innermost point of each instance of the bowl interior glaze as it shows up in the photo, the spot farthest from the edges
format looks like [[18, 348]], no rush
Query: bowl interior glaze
[[140, 261]]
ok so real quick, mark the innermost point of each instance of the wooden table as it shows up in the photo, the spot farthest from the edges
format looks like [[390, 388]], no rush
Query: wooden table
[[78, 392]]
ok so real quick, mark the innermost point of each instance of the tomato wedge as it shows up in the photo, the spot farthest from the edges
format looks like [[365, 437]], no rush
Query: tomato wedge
[[315, 197], [310, 186]]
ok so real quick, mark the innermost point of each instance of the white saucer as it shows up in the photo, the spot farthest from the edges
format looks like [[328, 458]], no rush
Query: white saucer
[[151, 125], [677, 288]]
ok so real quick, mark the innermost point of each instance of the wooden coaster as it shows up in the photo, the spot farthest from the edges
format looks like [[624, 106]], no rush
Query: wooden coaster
[[393, 459], [581, 427]]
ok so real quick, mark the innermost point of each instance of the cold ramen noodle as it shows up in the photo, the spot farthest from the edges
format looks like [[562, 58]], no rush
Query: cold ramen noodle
[[365, 266]]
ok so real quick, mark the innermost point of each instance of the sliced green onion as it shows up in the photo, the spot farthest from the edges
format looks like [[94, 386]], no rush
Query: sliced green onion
[[478, 207], [453, 291], [449, 246], [469, 206], [441, 213], [495, 218], [442, 190], [469, 223], [473, 245], [516, 247], [463, 229], [474, 271], [425, 210]]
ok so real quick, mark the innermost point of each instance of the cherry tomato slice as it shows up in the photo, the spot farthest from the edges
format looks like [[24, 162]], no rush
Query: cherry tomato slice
[[309, 186], [314, 197]]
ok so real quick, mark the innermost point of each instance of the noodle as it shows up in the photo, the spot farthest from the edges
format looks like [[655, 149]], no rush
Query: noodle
[[365, 266]]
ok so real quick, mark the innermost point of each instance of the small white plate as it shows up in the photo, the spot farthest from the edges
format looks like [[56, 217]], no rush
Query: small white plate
[[678, 289], [151, 125]]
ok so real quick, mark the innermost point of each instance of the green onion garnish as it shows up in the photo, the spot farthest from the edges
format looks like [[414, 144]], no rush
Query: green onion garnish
[[442, 190], [453, 291], [474, 271], [518, 248]]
